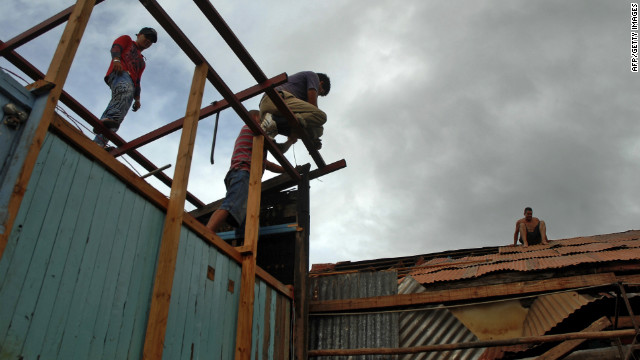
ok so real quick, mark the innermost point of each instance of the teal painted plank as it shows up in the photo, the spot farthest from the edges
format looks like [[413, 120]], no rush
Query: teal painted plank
[[59, 254], [129, 315], [98, 285], [152, 232], [70, 274], [116, 318], [21, 259], [231, 314], [103, 312], [82, 300], [173, 333], [196, 277], [200, 305], [218, 306], [35, 277], [258, 319], [273, 318], [5, 260], [208, 305], [179, 300]]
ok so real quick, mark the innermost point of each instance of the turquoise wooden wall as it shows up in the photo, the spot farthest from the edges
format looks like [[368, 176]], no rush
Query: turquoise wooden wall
[[77, 275]]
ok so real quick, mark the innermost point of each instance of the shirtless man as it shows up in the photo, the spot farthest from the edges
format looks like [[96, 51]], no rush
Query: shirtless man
[[532, 231]]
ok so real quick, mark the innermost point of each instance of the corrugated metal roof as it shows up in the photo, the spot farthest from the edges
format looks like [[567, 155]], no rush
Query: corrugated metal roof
[[429, 327], [354, 331], [558, 254], [459, 265]]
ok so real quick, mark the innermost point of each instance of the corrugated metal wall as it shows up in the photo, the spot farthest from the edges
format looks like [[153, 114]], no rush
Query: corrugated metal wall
[[430, 327], [353, 331], [77, 275]]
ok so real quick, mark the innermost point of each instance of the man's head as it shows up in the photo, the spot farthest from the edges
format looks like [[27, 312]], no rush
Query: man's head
[[325, 84], [146, 37], [528, 213]]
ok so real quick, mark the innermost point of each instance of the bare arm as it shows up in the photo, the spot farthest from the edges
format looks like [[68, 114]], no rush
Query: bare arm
[[274, 167], [515, 234], [312, 97]]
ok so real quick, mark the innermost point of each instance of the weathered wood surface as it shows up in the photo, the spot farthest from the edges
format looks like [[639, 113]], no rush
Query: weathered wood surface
[[478, 292]]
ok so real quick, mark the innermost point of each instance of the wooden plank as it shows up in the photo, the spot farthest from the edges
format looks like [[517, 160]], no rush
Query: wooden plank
[[301, 272], [279, 335], [245, 310], [443, 296], [248, 279], [151, 233], [108, 292], [257, 326], [159, 311], [204, 302], [208, 303], [71, 271], [565, 347], [252, 225], [197, 274], [177, 308], [52, 279], [80, 318], [202, 309], [22, 213], [99, 289], [219, 301], [44, 239], [287, 330], [269, 324], [44, 108], [116, 319], [28, 239], [231, 318]]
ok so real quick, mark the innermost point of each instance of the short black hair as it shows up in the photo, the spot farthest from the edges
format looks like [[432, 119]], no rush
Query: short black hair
[[149, 33], [528, 209], [326, 83]]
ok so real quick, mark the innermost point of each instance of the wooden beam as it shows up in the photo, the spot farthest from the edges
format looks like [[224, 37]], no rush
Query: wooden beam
[[478, 292], [44, 109], [161, 297], [301, 271], [248, 276], [38, 30], [474, 345], [277, 183], [565, 347]]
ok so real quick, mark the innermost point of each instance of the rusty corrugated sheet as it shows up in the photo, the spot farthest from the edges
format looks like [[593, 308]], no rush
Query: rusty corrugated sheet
[[354, 331], [548, 311], [428, 327]]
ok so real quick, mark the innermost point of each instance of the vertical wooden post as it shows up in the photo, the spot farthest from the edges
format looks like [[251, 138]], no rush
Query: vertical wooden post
[[301, 272], [44, 108], [161, 298], [248, 277]]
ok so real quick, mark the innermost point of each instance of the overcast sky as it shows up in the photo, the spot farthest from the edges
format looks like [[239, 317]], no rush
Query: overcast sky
[[452, 115]]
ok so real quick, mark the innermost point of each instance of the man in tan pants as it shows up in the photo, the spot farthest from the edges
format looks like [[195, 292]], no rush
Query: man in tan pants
[[300, 93]]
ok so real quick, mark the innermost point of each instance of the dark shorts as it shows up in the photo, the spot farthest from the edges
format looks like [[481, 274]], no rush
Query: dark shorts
[[237, 183]]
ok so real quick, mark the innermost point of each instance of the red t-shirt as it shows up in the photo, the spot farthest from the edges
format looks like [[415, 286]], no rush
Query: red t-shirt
[[131, 59]]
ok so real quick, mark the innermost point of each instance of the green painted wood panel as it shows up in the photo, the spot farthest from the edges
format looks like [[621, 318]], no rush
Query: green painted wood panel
[[77, 274]]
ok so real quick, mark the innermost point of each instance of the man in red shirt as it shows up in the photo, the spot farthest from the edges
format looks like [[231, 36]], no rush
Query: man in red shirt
[[123, 77], [234, 207]]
